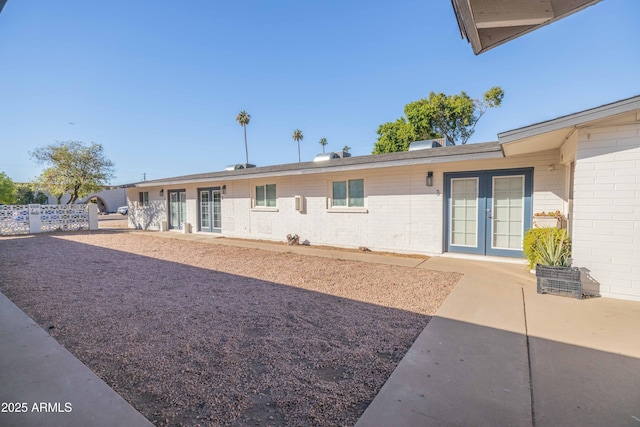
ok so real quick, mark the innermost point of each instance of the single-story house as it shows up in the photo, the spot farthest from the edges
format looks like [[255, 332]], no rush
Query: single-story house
[[108, 199], [473, 199]]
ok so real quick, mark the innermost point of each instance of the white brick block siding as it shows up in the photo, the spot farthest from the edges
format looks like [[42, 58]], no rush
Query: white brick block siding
[[146, 217], [606, 220], [402, 213]]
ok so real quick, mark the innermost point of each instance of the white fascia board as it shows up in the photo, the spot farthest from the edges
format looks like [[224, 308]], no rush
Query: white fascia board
[[571, 120], [377, 165], [329, 169]]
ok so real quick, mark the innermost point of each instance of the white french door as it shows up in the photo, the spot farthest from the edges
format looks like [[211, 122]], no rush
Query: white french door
[[488, 212], [177, 209], [210, 209]]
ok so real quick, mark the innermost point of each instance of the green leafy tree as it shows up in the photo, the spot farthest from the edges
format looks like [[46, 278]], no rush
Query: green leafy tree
[[394, 136], [7, 190], [26, 194], [346, 148], [243, 119], [420, 117], [297, 137], [323, 142], [453, 117], [73, 168]]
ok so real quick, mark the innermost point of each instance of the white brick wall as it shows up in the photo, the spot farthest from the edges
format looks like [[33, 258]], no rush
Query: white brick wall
[[146, 217], [606, 222], [403, 214]]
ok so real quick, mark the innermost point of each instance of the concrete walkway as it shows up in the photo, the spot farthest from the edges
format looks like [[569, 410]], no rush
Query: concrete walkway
[[42, 384], [496, 354], [499, 354]]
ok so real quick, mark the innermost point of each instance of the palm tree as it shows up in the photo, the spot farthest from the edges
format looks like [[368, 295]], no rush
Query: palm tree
[[346, 149], [297, 136], [243, 120], [323, 142]]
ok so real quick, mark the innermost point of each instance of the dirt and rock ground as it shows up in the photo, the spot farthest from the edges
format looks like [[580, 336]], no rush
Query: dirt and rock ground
[[197, 334]]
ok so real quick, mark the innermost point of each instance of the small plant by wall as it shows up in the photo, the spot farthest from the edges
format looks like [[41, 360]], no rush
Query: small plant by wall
[[547, 246]]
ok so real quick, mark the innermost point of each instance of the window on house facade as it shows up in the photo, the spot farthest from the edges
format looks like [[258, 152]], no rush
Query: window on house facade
[[143, 198], [266, 195], [348, 193]]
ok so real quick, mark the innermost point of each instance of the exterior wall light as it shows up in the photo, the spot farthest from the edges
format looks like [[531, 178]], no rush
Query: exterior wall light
[[162, 192], [224, 189], [429, 179]]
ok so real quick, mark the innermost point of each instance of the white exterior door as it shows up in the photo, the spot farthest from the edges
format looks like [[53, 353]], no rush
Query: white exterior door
[[488, 212]]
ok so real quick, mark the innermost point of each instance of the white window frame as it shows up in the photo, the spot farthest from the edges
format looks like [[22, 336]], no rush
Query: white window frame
[[475, 245], [493, 210], [346, 208], [143, 198], [265, 207]]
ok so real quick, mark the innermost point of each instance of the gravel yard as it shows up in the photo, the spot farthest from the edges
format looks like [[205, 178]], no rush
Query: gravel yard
[[192, 333]]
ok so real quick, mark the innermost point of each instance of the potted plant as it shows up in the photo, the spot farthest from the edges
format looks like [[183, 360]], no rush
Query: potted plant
[[549, 219], [549, 251]]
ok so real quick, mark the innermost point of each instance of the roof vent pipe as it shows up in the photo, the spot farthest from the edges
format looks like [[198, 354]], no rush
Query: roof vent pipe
[[239, 166], [325, 156], [422, 145]]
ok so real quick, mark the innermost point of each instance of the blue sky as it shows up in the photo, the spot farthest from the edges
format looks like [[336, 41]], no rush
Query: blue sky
[[159, 84]]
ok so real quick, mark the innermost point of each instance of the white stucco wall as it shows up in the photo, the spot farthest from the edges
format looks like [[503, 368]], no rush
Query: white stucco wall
[[606, 219], [146, 217], [112, 198], [403, 214]]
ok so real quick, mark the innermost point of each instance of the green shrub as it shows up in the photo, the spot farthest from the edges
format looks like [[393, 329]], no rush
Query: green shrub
[[547, 246]]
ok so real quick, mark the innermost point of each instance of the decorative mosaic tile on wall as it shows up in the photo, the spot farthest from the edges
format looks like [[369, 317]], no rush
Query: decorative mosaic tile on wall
[[64, 217], [14, 219]]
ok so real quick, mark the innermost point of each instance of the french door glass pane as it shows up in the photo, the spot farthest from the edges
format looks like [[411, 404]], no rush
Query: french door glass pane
[[183, 207], [508, 213], [217, 215], [204, 209], [174, 208], [464, 212]]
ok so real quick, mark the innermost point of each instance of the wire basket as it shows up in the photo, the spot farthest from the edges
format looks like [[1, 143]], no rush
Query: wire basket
[[564, 281]]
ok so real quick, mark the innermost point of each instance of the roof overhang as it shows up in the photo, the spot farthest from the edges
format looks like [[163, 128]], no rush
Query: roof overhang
[[2, 3], [489, 23], [552, 134], [488, 150]]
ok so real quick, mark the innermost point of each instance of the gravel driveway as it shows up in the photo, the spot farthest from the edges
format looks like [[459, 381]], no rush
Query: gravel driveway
[[197, 334]]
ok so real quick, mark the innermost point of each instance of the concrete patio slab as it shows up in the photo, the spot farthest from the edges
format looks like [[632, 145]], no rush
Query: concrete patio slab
[[470, 365], [585, 360], [560, 361]]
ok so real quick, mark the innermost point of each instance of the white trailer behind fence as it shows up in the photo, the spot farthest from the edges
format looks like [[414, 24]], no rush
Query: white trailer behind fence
[[25, 219]]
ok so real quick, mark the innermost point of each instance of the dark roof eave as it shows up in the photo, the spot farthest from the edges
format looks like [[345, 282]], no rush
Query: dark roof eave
[[407, 158], [481, 41]]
